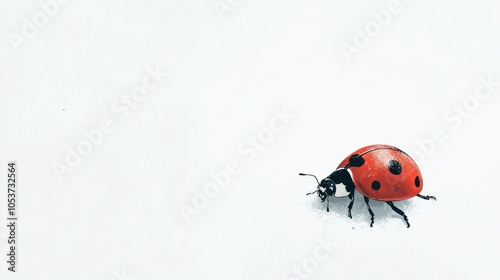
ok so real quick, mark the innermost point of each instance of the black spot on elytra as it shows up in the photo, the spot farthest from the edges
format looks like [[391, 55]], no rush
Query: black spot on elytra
[[376, 185], [356, 160], [417, 182], [395, 167]]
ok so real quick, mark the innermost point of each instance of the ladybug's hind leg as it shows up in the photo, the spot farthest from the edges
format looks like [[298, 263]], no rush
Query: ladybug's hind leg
[[369, 210], [426, 197], [397, 210]]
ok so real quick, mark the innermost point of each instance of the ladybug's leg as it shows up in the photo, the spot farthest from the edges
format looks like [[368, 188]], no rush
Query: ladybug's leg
[[369, 210], [426, 197], [397, 210], [351, 196]]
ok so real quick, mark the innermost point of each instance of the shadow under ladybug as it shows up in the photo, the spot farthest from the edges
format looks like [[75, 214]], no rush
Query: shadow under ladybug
[[379, 172]]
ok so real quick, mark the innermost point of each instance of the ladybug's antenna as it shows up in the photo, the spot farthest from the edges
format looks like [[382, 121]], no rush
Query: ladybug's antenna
[[327, 199], [303, 174]]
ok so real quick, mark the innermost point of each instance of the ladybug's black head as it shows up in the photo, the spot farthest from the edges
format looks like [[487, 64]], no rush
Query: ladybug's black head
[[325, 189]]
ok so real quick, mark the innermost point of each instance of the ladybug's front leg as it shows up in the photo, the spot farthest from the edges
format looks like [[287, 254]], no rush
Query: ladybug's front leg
[[349, 208]]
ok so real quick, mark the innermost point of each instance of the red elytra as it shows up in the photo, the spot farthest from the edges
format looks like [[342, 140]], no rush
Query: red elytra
[[378, 172], [387, 173]]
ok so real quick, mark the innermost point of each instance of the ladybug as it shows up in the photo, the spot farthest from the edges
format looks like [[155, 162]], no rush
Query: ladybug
[[378, 172]]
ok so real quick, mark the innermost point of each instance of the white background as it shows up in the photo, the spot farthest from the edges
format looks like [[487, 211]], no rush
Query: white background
[[116, 215]]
